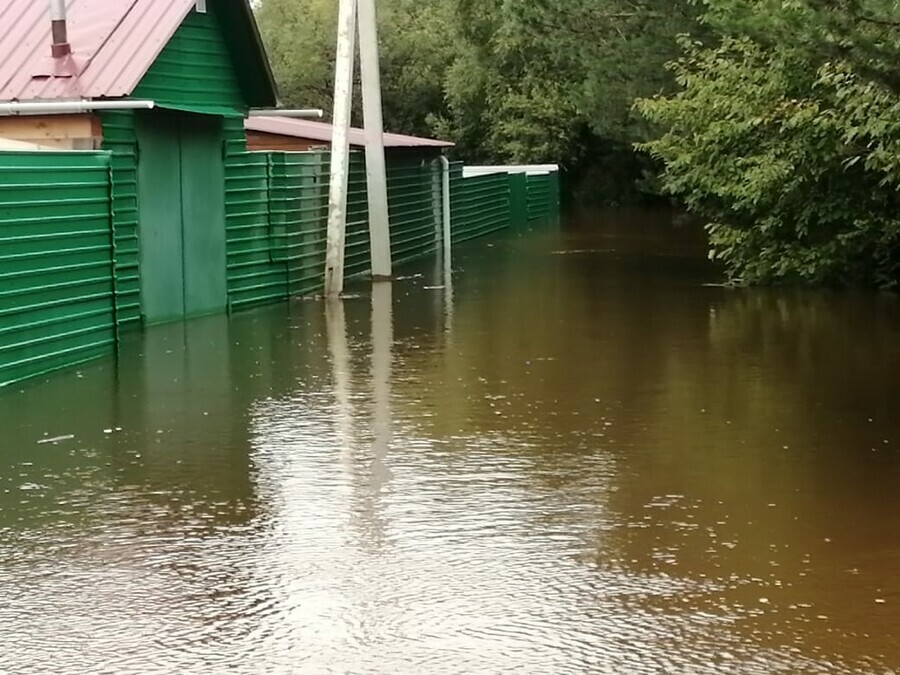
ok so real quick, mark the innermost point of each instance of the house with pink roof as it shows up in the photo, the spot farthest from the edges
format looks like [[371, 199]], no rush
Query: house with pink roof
[[164, 86]]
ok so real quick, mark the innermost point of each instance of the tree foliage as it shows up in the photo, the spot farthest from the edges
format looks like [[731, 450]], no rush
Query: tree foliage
[[777, 121], [544, 80], [785, 136], [506, 80], [415, 53]]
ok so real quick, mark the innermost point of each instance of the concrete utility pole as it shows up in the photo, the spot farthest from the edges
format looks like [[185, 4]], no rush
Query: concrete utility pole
[[376, 173], [340, 149], [353, 15]]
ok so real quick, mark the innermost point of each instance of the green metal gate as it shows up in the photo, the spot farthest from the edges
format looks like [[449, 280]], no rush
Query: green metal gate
[[181, 181]]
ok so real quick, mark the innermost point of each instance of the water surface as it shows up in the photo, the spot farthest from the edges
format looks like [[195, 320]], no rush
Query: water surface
[[579, 456]]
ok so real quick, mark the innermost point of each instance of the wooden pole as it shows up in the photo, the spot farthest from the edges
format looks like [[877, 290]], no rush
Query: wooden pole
[[376, 173], [340, 149]]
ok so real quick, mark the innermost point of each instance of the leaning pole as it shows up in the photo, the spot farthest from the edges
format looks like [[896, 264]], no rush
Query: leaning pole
[[340, 149], [356, 15]]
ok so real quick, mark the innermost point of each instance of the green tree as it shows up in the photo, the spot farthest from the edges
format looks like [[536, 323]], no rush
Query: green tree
[[785, 137], [416, 49], [506, 80], [555, 81]]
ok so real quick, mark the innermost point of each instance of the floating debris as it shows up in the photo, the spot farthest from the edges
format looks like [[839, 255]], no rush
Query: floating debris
[[56, 439], [582, 251]]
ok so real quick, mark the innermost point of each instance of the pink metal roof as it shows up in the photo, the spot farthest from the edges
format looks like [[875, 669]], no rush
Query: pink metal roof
[[321, 131], [114, 43]]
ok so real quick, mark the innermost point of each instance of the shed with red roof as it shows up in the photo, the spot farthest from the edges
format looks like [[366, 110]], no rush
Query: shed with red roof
[[283, 133], [197, 66]]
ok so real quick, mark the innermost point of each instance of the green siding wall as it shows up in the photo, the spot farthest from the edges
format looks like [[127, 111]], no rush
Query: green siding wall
[[56, 261], [235, 137], [194, 71]]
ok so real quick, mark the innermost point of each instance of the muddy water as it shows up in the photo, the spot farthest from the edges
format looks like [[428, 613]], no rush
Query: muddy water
[[579, 457]]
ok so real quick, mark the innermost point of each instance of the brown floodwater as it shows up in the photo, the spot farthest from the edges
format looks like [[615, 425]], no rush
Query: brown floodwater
[[580, 456]]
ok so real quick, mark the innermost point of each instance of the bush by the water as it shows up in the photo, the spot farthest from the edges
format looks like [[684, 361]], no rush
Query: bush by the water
[[785, 137]]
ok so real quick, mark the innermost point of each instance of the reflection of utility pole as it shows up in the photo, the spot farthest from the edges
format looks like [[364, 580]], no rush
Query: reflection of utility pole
[[382, 346], [340, 147], [447, 265], [336, 329]]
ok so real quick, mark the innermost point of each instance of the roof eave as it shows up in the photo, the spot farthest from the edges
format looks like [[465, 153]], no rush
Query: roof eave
[[263, 91]]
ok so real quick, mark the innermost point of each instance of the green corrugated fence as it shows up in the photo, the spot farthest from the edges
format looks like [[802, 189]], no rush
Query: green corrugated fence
[[518, 201], [277, 211], [57, 281], [119, 138], [480, 204], [69, 260], [253, 273], [543, 198], [299, 207], [414, 204]]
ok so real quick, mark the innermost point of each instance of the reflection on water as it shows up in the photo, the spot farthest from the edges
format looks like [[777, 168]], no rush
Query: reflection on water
[[575, 455]]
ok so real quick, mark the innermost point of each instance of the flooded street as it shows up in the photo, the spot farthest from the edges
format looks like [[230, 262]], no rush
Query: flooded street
[[583, 456]]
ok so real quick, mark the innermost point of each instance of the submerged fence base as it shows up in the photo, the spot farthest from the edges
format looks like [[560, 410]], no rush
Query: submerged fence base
[[56, 262], [70, 267]]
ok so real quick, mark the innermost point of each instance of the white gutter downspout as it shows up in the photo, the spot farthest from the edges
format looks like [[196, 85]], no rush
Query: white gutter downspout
[[310, 113], [70, 107], [448, 231], [448, 245]]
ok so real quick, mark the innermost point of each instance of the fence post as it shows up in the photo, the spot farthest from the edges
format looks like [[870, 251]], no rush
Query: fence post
[[518, 200]]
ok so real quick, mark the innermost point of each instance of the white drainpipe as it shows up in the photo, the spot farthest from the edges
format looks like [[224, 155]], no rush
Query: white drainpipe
[[70, 107], [447, 261], [313, 113], [448, 232]]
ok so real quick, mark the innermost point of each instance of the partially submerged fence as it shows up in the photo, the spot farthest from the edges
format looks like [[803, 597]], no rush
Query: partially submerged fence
[[277, 210], [70, 268], [480, 204], [56, 261]]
